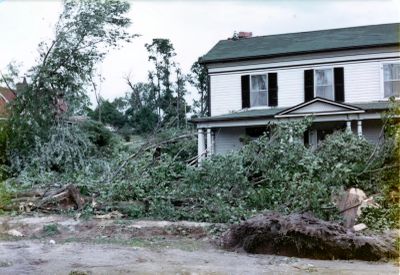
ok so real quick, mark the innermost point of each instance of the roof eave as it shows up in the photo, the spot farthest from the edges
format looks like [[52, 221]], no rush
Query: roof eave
[[225, 60]]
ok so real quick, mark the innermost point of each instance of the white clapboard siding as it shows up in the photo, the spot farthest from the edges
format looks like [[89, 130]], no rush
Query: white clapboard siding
[[363, 83], [290, 87], [227, 140], [226, 94]]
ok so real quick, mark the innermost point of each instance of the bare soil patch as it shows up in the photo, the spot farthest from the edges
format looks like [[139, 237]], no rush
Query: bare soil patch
[[63, 245]]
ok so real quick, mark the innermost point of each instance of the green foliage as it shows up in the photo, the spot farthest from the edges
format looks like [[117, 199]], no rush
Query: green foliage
[[380, 218], [4, 137], [274, 172], [98, 134], [286, 174], [344, 157], [108, 113], [57, 85], [168, 96], [5, 196], [199, 79], [144, 120], [66, 149], [387, 172], [50, 230]]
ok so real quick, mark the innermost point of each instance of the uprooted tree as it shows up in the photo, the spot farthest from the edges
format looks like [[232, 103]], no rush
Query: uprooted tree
[[58, 84]]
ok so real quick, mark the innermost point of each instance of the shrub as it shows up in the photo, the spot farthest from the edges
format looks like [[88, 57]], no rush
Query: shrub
[[97, 133]]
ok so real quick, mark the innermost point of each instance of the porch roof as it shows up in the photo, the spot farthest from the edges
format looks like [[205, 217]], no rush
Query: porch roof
[[249, 114]]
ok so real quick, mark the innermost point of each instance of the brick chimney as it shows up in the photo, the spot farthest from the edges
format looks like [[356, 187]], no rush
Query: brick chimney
[[245, 35]]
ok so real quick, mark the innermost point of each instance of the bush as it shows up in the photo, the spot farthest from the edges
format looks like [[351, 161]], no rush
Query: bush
[[97, 133]]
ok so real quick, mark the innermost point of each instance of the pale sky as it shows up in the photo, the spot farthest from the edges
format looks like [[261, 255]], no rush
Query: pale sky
[[194, 27]]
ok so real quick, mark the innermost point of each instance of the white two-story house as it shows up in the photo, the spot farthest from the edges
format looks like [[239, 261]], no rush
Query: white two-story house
[[341, 77]]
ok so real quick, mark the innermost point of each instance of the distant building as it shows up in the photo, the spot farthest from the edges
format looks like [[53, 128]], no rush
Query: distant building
[[6, 96]]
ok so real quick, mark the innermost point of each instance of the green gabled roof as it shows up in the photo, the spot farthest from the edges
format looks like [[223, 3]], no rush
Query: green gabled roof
[[372, 106], [304, 42], [271, 112]]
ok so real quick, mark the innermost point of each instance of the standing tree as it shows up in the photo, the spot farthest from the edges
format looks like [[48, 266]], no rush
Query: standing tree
[[141, 107], [199, 79], [181, 107], [169, 88], [85, 32], [161, 51], [110, 113]]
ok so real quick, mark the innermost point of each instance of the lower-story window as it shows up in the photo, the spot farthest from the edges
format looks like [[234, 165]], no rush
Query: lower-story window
[[391, 79]]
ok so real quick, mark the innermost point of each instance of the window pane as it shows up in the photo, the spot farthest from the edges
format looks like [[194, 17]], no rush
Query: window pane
[[258, 93], [324, 83], [258, 99], [325, 92], [391, 71], [258, 82], [324, 77], [392, 88]]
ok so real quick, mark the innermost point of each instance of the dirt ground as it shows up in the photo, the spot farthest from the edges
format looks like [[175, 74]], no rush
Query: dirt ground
[[64, 245]]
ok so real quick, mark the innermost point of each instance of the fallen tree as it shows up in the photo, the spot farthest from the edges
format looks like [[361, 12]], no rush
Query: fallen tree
[[65, 198], [302, 235]]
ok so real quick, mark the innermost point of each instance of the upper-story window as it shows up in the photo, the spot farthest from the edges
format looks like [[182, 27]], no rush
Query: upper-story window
[[325, 82], [324, 86], [258, 90], [391, 79]]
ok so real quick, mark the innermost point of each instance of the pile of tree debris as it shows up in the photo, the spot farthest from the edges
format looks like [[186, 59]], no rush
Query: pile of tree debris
[[302, 235], [65, 198]]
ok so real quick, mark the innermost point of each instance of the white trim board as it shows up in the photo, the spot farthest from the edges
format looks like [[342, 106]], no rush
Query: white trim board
[[306, 63], [265, 121]]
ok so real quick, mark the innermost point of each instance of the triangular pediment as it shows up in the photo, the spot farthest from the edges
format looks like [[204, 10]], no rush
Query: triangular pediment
[[319, 106]]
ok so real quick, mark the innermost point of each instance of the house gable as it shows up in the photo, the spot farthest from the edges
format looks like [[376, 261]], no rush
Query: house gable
[[319, 106]]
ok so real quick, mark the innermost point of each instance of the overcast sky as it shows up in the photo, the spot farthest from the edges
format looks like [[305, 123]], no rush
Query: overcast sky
[[192, 26]]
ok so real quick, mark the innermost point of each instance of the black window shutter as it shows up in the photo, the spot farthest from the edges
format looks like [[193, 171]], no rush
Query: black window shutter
[[339, 84], [272, 89], [308, 85], [245, 91]]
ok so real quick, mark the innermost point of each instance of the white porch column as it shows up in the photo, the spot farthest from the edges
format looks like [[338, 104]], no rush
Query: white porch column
[[359, 128], [212, 143], [348, 125], [200, 145], [209, 142], [313, 138]]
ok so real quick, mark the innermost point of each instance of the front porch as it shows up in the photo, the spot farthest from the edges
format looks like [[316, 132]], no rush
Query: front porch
[[222, 134]]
